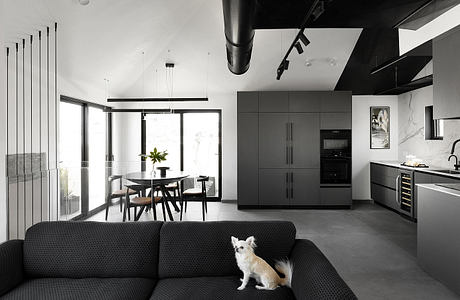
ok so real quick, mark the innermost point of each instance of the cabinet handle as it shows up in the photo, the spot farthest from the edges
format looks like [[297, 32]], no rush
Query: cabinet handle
[[287, 183], [291, 129], [287, 154], [292, 155], [287, 132], [397, 189], [292, 185]]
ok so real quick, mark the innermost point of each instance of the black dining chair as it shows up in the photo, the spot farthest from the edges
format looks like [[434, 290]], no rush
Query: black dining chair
[[197, 193], [143, 202], [120, 193]]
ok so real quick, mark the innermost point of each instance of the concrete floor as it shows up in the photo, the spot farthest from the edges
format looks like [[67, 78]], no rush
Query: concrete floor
[[372, 248]]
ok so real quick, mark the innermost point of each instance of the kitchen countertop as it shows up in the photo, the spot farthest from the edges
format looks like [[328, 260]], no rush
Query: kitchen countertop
[[443, 188], [430, 170]]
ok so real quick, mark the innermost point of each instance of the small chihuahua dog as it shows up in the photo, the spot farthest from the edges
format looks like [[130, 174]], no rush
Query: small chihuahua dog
[[253, 266]]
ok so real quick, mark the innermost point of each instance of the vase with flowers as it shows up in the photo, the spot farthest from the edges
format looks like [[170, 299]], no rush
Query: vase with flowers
[[155, 156]]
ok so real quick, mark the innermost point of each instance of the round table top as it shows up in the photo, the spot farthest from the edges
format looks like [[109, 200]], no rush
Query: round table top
[[146, 177]]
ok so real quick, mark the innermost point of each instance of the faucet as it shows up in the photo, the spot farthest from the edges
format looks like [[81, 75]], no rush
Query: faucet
[[456, 161], [453, 146]]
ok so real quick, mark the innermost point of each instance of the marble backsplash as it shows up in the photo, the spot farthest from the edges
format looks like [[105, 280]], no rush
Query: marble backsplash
[[411, 118]]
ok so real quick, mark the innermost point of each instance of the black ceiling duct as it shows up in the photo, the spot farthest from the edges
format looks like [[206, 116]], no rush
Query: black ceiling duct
[[239, 33]]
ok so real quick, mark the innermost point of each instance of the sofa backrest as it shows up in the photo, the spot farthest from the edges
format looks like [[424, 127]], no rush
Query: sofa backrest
[[191, 249], [92, 249]]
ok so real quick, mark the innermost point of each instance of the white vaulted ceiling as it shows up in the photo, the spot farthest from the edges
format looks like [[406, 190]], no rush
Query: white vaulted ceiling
[[106, 38]]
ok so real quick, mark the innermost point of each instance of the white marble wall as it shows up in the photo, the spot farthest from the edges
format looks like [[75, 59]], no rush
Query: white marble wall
[[411, 116]]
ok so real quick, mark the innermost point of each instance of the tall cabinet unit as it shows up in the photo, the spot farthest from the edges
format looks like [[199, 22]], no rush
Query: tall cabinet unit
[[285, 168]]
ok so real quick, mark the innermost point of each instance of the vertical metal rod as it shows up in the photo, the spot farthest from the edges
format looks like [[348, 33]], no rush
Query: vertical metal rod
[[7, 146], [31, 127], [24, 131], [56, 116], [40, 118], [16, 131], [48, 117]]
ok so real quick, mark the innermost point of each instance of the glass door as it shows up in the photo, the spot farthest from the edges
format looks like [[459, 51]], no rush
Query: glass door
[[70, 152], [96, 157], [201, 148]]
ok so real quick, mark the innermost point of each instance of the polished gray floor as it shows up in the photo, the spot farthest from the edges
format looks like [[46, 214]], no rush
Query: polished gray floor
[[372, 248]]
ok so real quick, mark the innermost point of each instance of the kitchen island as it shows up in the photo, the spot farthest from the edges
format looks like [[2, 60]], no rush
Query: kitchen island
[[438, 226]]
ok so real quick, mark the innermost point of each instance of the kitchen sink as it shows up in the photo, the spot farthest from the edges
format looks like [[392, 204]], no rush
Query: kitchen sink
[[447, 171]]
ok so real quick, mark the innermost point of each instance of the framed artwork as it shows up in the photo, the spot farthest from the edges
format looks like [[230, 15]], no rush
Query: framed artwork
[[380, 127]]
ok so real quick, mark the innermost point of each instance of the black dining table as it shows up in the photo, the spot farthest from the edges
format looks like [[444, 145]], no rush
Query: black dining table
[[149, 179]]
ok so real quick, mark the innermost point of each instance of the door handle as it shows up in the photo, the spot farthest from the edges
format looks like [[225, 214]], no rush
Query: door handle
[[397, 189], [292, 185], [287, 183]]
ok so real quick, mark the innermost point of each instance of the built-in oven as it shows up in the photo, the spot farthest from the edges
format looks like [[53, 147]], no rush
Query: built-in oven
[[335, 143], [335, 170], [335, 157]]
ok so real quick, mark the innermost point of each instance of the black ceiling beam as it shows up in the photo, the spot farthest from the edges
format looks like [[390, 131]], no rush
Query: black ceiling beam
[[156, 99]]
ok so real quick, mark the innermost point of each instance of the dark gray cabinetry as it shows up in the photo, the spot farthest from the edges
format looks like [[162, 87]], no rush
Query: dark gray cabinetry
[[305, 101], [446, 70], [336, 120], [383, 185], [335, 195], [304, 135], [248, 153], [274, 187], [248, 102], [304, 187], [279, 147], [274, 150], [275, 102]]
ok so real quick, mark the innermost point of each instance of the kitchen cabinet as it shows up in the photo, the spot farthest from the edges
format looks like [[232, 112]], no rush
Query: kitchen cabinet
[[305, 101], [384, 195], [279, 147], [446, 71], [248, 167], [274, 187], [304, 185], [274, 138], [275, 102], [336, 120], [335, 195], [383, 185], [305, 141], [248, 102]]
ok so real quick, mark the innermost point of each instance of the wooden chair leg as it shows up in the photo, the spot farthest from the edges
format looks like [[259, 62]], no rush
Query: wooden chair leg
[[202, 207], [135, 212], [129, 213], [121, 203], [107, 208], [154, 208], [181, 208], [124, 213], [164, 209]]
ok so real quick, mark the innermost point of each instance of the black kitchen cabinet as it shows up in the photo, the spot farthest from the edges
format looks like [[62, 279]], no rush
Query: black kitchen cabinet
[[335, 195], [286, 130], [274, 149], [384, 180], [384, 195], [304, 187], [274, 187], [336, 120], [275, 102], [305, 140], [248, 166]]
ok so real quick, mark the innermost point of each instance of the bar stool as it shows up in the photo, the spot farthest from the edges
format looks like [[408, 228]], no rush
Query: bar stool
[[196, 193], [122, 192]]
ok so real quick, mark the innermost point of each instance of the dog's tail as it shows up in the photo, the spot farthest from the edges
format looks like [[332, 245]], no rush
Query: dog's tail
[[285, 267]]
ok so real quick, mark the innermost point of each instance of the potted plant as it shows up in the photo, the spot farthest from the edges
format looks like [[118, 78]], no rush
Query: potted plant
[[155, 156]]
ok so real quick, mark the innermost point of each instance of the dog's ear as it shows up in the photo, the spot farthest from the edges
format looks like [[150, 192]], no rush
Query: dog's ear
[[234, 240], [251, 241]]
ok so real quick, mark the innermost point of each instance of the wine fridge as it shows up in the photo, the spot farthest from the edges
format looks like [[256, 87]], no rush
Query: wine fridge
[[405, 193]]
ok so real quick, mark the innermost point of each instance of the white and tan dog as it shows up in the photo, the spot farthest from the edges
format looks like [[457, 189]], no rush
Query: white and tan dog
[[257, 268]]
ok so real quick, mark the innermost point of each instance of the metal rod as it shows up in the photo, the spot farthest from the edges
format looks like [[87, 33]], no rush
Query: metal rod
[[155, 99], [48, 117], [16, 131], [7, 147], [24, 131], [56, 117], [31, 127], [40, 118]]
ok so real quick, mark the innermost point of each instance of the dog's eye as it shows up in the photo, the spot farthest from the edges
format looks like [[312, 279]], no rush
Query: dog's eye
[[241, 247]]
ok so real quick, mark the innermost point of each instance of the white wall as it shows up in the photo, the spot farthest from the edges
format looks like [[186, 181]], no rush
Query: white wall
[[3, 223], [361, 152], [127, 131]]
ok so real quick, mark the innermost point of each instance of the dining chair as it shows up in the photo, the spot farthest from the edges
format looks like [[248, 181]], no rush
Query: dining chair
[[142, 202], [120, 193], [198, 193]]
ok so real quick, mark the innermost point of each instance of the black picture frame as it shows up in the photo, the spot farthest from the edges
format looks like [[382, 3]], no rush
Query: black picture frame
[[379, 127]]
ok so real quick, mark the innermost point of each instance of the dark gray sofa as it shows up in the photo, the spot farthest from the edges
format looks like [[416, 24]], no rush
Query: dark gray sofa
[[156, 260]]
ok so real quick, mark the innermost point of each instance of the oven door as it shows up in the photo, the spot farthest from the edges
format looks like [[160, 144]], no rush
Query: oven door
[[335, 170]]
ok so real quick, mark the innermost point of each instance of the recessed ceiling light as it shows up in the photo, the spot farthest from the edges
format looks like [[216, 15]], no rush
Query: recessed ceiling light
[[308, 63], [83, 2]]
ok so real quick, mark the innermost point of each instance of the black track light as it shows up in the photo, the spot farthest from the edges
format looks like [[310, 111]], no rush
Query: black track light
[[299, 48], [286, 64], [304, 39]]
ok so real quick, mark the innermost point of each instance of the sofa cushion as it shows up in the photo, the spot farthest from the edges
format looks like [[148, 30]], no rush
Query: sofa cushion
[[86, 288], [215, 288], [193, 249], [92, 249]]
